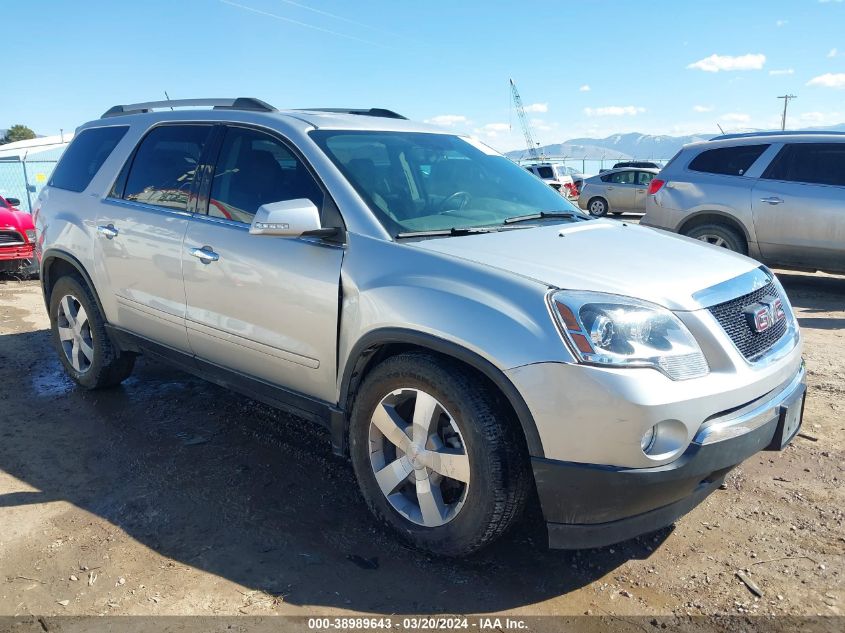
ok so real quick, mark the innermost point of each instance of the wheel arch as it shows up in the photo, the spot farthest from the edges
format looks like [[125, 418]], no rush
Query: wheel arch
[[55, 263], [714, 216], [377, 345]]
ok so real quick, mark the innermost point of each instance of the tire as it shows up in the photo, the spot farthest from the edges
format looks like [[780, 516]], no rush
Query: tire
[[598, 207], [84, 348], [721, 235], [487, 448]]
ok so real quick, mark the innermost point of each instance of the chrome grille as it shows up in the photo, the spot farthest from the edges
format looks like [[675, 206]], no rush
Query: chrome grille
[[10, 237], [732, 318]]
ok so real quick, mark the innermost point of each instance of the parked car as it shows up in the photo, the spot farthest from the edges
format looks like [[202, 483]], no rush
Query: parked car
[[556, 176], [427, 300], [17, 237], [578, 178], [616, 191], [636, 163], [778, 197]]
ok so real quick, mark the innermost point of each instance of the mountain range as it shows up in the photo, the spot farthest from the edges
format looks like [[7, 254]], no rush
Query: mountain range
[[630, 145]]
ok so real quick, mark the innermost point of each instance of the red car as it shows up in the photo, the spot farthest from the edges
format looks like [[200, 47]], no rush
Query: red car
[[17, 237]]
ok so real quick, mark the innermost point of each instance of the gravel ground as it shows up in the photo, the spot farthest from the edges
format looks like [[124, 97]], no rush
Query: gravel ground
[[170, 495]]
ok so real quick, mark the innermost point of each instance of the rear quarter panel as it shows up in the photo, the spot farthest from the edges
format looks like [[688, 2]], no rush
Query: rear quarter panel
[[65, 223], [688, 194]]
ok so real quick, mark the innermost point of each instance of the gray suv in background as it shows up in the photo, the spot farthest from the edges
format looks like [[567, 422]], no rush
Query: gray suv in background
[[778, 197], [425, 299]]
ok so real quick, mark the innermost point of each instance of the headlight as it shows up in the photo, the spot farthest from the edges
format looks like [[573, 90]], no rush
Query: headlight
[[620, 331], [30, 235]]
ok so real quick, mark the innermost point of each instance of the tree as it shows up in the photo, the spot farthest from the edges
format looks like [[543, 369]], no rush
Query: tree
[[17, 133]]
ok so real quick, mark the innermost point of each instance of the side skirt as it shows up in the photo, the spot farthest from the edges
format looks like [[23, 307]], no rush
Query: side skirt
[[318, 411]]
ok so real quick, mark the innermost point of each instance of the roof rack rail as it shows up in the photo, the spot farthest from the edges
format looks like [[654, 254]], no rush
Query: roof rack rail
[[238, 103], [724, 137], [378, 112]]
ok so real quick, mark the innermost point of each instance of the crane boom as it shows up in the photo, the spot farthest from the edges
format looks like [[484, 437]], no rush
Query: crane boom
[[523, 120]]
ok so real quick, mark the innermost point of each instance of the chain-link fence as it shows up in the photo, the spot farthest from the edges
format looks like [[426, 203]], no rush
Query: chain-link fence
[[23, 179]]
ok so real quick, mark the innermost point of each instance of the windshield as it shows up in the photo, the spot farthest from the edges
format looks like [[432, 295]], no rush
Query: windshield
[[416, 181]]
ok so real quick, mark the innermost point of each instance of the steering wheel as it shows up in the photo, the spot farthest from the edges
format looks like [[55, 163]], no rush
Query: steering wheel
[[464, 196]]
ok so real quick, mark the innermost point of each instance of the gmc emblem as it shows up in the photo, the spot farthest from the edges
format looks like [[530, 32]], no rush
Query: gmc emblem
[[762, 316]]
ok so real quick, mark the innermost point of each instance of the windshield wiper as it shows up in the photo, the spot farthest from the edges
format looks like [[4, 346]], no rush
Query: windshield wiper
[[469, 230], [544, 214]]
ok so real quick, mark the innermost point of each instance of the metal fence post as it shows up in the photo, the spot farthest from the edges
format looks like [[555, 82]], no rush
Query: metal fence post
[[26, 185]]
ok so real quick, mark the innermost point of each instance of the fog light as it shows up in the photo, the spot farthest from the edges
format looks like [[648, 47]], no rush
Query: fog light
[[647, 442]]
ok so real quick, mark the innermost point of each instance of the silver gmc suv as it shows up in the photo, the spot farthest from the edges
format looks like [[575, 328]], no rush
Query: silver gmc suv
[[426, 300], [777, 196]]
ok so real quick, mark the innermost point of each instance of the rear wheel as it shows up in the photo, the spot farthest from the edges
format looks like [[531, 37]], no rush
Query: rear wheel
[[719, 235], [79, 336], [597, 207], [435, 458]]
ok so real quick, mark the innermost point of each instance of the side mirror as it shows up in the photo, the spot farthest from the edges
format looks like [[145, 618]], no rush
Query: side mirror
[[13, 202], [290, 218]]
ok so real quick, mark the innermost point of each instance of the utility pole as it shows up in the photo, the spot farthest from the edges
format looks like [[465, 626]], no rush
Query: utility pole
[[786, 100]]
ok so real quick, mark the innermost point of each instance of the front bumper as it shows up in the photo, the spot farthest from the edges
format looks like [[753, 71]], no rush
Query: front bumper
[[15, 257], [591, 506], [22, 251]]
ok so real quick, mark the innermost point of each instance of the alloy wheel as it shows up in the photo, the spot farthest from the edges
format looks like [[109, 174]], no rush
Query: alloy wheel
[[597, 207], [715, 240], [419, 458], [75, 333]]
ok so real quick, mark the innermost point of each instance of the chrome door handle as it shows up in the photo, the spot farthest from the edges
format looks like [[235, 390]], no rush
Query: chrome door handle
[[772, 200], [204, 254], [608, 188], [109, 231]]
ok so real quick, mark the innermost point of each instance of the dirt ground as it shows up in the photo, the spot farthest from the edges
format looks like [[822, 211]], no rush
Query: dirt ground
[[170, 495]]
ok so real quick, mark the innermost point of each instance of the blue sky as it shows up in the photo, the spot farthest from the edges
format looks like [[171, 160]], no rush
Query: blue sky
[[584, 68]]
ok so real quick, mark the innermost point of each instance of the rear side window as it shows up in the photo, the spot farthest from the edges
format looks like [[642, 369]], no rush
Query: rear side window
[[644, 177], [620, 177], [165, 165], [84, 157], [546, 172], [730, 161], [817, 163]]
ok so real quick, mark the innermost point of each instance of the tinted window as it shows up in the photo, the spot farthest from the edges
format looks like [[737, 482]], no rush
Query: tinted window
[[255, 169], [730, 161], [621, 177], [163, 170], [546, 172], [644, 177], [84, 157], [820, 163]]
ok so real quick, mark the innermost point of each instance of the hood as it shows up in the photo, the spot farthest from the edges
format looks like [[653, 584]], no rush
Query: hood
[[603, 256], [18, 220]]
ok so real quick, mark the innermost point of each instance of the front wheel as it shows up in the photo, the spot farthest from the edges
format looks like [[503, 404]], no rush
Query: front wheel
[[435, 457]]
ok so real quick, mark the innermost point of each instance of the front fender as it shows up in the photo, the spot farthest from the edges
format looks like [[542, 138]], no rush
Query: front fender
[[489, 318]]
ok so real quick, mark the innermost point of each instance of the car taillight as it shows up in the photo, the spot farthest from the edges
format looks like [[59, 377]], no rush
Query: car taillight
[[655, 185]]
